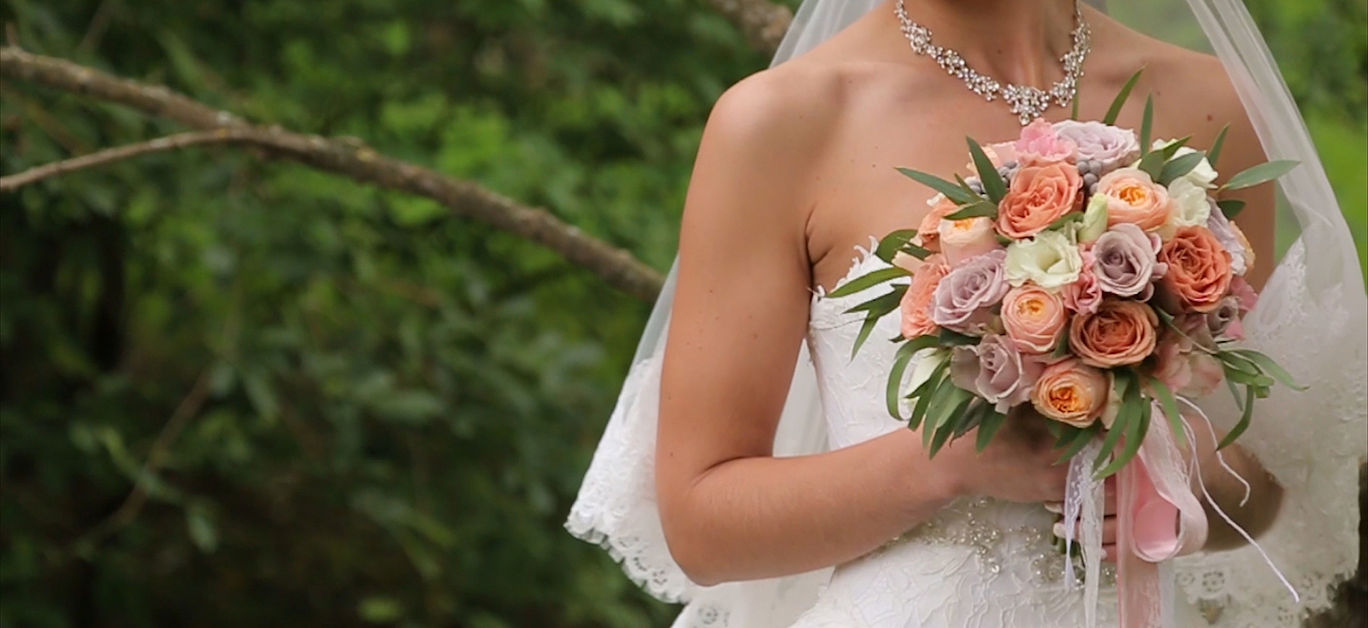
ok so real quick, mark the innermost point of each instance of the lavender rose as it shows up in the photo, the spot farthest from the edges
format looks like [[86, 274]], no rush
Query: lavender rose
[[965, 295], [1224, 321], [1224, 231], [995, 370], [1110, 146], [1124, 261]]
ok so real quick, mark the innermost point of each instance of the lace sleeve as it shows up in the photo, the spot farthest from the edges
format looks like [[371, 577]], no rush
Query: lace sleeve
[[1313, 442]]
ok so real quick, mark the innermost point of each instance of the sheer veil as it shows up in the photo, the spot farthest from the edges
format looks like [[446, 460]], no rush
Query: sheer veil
[[1312, 317]]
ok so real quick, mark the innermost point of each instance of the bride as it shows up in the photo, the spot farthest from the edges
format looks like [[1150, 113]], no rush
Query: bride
[[764, 495]]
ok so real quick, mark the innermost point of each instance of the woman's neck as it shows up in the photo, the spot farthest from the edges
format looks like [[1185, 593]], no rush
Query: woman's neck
[[1015, 41]]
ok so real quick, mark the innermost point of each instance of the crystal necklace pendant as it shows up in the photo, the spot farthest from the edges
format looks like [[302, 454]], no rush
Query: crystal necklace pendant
[[1026, 101]]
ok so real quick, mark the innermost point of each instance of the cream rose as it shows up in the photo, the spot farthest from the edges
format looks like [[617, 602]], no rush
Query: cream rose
[[1190, 207], [1049, 260]]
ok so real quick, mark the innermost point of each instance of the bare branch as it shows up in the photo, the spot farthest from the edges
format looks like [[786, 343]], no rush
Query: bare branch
[[111, 155], [763, 22], [358, 162]]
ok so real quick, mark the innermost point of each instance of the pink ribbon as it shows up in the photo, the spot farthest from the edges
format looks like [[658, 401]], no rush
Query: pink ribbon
[[1159, 518]]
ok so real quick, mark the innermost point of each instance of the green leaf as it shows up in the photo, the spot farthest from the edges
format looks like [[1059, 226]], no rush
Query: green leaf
[[1073, 108], [865, 328], [953, 338], [894, 242], [927, 392], [1135, 435], [868, 280], [989, 428], [1231, 207], [883, 303], [900, 362], [1178, 167], [948, 428], [1243, 423], [1269, 366], [1077, 440], [1169, 403], [951, 191], [982, 208], [1147, 126], [1152, 164], [949, 398], [1216, 146], [973, 416], [1261, 173], [993, 184], [1128, 390], [1115, 109], [1061, 221]]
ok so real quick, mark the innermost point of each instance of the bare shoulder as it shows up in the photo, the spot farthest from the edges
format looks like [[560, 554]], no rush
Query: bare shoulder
[[1192, 90]]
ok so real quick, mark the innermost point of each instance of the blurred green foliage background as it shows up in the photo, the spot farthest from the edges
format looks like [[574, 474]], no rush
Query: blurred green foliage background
[[370, 412]]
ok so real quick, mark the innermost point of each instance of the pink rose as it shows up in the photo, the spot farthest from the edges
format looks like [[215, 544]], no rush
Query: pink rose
[[1034, 318], [995, 370], [1184, 368], [1041, 145], [916, 302], [1038, 196], [963, 239], [1084, 295], [1133, 197], [1071, 392]]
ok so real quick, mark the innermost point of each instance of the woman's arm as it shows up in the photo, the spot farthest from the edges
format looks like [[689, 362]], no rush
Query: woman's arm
[[730, 510]]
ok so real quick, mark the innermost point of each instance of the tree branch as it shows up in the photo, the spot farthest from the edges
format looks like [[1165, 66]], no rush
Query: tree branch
[[110, 155], [763, 22], [358, 162]]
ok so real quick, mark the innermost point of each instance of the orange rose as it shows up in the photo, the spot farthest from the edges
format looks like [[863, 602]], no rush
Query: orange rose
[[1199, 272], [1133, 197], [1034, 318], [1039, 195], [1070, 392], [929, 230], [916, 302], [1120, 332]]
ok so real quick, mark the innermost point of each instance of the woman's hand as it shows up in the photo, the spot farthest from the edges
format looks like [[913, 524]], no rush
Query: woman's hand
[[1109, 521], [1020, 464]]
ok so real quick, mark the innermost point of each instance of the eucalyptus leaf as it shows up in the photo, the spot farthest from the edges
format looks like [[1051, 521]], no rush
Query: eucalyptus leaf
[[1243, 423], [1230, 207], [868, 280], [980, 209], [891, 244], [1216, 146], [993, 184], [988, 429], [1179, 166], [951, 191], [1115, 109], [1172, 412], [1262, 173], [1269, 366], [1146, 126]]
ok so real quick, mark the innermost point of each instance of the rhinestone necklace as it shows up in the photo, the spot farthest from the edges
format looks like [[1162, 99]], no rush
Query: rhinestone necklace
[[1026, 101]]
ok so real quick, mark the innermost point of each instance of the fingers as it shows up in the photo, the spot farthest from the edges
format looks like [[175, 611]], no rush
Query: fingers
[[1109, 553], [1109, 525]]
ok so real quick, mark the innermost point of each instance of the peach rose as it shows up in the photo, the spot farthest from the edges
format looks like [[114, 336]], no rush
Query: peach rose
[[1199, 271], [1039, 195], [929, 230], [963, 239], [1034, 318], [1070, 392], [1133, 197], [1120, 332], [916, 302], [1185, 370]]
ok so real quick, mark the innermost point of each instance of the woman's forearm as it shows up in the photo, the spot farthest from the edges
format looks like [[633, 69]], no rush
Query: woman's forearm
[[762, 517]]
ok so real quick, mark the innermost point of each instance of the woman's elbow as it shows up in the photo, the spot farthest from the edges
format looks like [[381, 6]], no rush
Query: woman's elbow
[[689, 544]]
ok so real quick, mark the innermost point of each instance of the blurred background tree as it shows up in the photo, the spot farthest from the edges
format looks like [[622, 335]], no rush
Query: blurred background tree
[[356, 409]]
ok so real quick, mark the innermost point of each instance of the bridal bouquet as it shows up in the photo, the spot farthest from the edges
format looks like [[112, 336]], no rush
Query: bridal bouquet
[[1082, 270], [1089, 274]]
